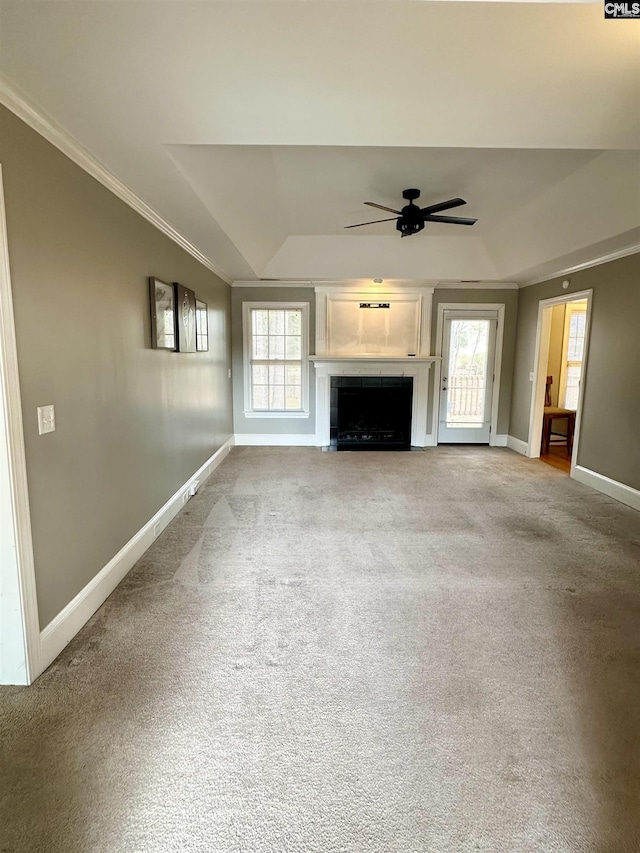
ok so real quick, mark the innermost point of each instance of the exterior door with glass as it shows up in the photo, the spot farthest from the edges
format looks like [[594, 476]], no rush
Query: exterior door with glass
[[466, 387]]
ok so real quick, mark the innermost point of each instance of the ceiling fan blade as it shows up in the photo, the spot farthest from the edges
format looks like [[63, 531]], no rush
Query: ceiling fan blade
[[360, 224], [443, 205], [452, 220], [382, 207]]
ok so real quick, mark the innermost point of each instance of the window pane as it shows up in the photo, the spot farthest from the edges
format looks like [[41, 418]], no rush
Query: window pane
[[276, 397], [276, 322], [260, 322], [260, 346], [276, 374], [260, 374], [577, 325], [294, 397], [294, 375], [573, 387], [293, 347], [276, 346], [294, 322], [260, 397]]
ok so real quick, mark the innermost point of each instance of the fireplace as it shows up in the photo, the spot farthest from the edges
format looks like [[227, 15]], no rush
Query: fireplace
[[371, 412], [409, 370]]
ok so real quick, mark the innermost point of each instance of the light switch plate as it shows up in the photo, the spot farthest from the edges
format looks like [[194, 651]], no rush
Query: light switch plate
[[46, 419]]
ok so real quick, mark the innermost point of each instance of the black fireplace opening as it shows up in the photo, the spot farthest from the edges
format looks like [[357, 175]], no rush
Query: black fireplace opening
[[371, 412]]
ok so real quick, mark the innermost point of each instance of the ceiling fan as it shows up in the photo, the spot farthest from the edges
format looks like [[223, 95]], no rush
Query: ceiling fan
[[412, 218]]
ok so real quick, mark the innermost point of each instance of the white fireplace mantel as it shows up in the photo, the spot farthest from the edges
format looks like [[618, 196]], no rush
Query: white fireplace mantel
[[418, 368]]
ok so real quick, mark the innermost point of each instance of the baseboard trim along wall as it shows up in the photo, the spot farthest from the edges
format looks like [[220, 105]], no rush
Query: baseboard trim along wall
[[61, 630], [517, 445], [278, 440], [500, 440], [612, 488]]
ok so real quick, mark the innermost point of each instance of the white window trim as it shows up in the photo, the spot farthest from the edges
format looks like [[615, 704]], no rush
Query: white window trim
[[247, 308]]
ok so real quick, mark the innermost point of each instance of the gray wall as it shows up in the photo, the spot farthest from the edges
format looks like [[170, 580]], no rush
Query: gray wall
[[270, 426], [132, 423], [510, 300], [611, 409]]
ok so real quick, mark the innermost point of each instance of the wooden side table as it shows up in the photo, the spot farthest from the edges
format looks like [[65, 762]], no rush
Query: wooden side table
[[554, 413]]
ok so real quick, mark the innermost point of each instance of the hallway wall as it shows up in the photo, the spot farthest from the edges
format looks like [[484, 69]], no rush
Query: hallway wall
[[132, 423], [611, 409]]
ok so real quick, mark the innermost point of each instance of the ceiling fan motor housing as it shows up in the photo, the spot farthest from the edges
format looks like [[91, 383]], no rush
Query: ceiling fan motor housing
[[411, 221]]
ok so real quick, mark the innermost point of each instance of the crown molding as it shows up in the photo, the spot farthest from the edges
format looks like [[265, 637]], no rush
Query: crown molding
[[388, 283], [477, 285], [58, 136], [271, 283], [595, 262]]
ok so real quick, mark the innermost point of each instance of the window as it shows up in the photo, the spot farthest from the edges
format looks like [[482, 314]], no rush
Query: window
[[275, 359], [574, 334]]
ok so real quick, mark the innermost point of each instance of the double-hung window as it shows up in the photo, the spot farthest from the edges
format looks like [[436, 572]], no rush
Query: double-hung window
[[276, 359], [573, 353]]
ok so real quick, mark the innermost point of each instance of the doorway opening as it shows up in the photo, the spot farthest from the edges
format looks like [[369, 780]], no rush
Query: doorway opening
[[561, 352]]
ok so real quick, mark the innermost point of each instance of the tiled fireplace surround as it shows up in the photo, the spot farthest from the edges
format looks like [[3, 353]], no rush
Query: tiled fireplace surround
[[418, 366]]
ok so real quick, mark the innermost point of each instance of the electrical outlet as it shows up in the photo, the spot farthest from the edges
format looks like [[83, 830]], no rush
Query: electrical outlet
[[46, 419], [157, 529], [531, 377], [229, 373], [185, 496]]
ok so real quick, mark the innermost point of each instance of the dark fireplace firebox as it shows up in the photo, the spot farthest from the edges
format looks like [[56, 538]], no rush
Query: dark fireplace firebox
[[371, 412]]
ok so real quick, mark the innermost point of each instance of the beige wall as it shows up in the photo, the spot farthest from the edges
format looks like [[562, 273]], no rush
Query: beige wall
[[132, 423], [610, 422], [554, 362]]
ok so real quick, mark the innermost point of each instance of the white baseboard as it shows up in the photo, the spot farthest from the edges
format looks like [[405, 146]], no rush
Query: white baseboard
[[61, 630], [612, 488], [500, 441], [277, 440], [430, 440], [517, 445]]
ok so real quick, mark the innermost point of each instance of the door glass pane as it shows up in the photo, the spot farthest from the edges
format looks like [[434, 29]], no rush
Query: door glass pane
[[467, 376]]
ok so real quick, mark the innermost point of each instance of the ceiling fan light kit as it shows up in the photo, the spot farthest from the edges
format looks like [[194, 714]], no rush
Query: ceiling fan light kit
[[411, 218]]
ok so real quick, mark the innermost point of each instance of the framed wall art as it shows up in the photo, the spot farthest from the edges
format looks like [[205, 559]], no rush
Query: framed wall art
[[202, 326], [185, 318], [163, 314]]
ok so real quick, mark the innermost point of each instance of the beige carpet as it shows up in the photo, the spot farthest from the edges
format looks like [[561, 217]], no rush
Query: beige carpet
[[363, 652]]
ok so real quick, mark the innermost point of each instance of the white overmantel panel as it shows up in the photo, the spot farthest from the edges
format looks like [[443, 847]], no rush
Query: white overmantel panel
[[420, 297], [417, 368]]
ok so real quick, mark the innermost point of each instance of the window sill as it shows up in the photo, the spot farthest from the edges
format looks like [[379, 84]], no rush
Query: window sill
[[276, 414]]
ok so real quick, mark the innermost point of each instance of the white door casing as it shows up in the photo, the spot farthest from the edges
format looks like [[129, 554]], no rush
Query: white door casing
[[541, 357], [19, 623], [477, 433]]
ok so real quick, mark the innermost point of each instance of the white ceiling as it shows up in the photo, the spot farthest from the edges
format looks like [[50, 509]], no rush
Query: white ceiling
[[258, 129]]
